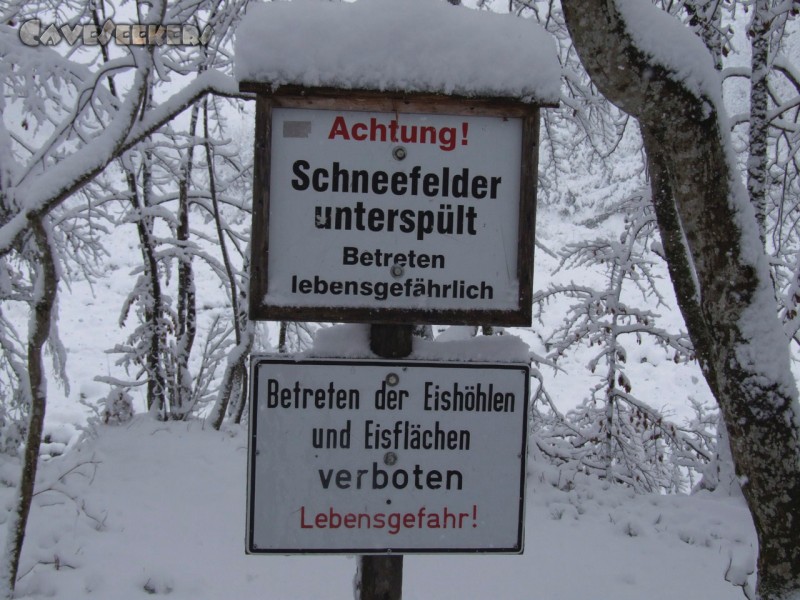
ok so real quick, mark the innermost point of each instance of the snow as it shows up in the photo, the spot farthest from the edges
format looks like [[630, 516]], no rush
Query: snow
[[673, 46], [411, 46], [158, 508], [765, 352], [166, 517], [153, 508], [147, 508], [40, 192]]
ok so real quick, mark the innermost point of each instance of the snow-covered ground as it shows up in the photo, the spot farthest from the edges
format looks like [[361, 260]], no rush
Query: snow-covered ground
[[148, 508], [153, 508]]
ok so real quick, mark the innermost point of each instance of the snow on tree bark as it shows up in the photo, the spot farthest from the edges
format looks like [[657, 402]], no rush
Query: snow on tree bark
[[187, 299], [759, 123], [734, 325], [45, 288], [65, 178]]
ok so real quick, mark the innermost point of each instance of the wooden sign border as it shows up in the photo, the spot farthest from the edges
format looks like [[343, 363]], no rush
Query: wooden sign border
[[390, 102]]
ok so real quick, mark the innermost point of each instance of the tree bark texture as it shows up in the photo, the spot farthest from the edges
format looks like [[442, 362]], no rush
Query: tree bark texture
[[153, 304], [759, 122], [719, 272], [235, 379], [187, 298], [45, 288]]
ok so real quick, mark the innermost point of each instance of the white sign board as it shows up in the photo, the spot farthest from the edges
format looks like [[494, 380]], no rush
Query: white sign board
[[363, 457], [402, 211]]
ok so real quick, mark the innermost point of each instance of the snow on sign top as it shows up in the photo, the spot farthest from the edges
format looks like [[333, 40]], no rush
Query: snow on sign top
[[386, 45]]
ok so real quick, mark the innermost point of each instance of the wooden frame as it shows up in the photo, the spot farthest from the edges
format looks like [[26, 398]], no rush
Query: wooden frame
[[390, 102]]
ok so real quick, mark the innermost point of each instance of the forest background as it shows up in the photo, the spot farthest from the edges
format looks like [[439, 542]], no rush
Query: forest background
[[125, 186]]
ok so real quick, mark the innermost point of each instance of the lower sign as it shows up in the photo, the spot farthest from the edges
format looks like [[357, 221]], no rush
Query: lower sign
[[373, 457]]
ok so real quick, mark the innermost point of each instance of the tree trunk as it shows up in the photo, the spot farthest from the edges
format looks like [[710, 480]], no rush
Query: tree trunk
[[720, 274], [187, 300], [45, 288], [236, 369], [759, 123], [241, 401], [156, 383], [237, 359], [153, 305]]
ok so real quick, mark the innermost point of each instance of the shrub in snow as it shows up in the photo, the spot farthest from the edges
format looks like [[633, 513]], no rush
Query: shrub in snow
[[13, 420], [613, 433], [12, 435], [118, 407]]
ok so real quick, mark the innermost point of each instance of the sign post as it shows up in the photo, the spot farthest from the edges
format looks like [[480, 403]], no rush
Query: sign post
[[390, 209], [393, 184], [381, 576]]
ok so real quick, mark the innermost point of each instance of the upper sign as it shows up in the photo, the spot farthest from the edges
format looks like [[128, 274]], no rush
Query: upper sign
[[364, 457], [393, 217]]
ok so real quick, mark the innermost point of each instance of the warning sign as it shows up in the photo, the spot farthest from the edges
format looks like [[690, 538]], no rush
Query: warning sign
[[378, 456], [415, 216]]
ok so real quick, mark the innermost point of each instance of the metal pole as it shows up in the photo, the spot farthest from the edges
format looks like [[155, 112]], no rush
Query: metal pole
[[381, 577]]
